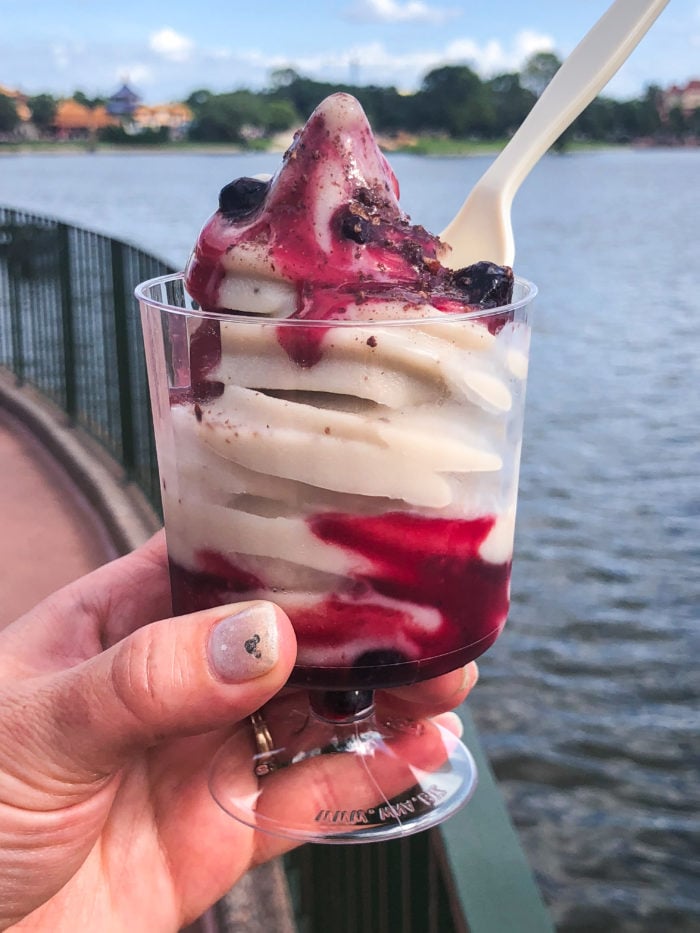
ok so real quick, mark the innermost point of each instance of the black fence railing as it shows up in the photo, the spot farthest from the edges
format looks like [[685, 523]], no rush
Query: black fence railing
[[69, 327]]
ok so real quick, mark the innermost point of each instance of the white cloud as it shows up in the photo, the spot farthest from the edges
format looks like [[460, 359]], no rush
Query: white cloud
[[373, 62], [171, 45], [527, 42], [64, 64], [392, 11], [493, 56]]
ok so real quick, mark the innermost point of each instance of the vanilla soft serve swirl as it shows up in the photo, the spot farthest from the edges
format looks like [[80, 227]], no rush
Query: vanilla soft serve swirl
[[310, 452]]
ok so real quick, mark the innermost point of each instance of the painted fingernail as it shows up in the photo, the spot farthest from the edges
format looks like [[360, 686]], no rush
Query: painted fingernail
[[245, 645]]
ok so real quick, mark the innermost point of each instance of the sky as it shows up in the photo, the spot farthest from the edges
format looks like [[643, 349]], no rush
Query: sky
[[166, 50]]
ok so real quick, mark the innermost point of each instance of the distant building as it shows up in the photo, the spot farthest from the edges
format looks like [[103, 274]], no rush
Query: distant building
[[686, 98], [176, 118], [76, 121], [123, 102], [23, 111]]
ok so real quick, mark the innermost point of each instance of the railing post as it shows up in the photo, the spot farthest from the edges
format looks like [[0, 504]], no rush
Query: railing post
[[16, 323], [16, 318], [121, 342], [67, 321]]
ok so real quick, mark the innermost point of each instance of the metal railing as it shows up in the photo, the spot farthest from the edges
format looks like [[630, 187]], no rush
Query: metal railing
[[69, 327], [468, 876]]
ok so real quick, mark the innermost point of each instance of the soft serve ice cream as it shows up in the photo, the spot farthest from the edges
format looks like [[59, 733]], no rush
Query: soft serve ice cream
[[343, 440]]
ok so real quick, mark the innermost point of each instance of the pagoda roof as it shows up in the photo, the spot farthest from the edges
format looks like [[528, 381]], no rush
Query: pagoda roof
[[125, 93]]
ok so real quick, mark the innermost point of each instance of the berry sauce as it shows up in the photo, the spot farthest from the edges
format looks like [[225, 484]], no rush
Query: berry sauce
[[330, 223], [303, 345], [210, 585], [415, 563], [204, 356]]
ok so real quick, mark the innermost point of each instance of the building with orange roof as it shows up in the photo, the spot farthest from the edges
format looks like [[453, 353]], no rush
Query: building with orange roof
[[686, 97], [176, 118], [20, 99], [76, 121]]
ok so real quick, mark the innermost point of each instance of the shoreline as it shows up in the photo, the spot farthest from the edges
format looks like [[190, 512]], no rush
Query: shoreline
[[430, 148], [421, 147]]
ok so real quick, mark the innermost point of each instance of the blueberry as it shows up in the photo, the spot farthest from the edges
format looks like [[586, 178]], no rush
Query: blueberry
[[356, 228], [485, 284], [242, 197]]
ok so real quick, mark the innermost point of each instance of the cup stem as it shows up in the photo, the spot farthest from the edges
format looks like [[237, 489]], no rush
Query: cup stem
[[341, 706]]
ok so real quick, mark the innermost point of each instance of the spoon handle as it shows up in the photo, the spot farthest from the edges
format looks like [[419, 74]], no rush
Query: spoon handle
[[584, 73]]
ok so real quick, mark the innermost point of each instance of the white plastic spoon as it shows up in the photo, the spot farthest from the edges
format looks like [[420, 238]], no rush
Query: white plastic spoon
[[482, 229]]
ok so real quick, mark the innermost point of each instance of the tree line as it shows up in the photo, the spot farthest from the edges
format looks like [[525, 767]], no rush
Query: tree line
[[452, 101]]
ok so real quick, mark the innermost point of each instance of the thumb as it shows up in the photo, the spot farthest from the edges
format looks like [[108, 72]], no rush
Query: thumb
[[177, 677]]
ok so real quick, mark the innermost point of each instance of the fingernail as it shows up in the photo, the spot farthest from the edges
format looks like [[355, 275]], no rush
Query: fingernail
[[452, 722], [245, 645], [470, 676]]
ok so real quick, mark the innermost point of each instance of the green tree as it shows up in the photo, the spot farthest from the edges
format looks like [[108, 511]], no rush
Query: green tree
[[652, 109], [454, 99], [43, 109], [607, 119], [693, 123], [117, 135], [511, 102], [235, 116], [597, 121], [387, 110], [279, 115], [90, 102], [539, 70], [198, 99], [9, 120], [283, 77], [303, 93], [633, 119], [677, 122], [221, 117]]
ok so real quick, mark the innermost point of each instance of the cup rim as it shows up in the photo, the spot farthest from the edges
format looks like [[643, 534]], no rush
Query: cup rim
[[140, 292]]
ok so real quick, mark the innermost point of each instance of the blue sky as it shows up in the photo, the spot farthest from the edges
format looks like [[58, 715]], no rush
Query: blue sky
[[168, 49]]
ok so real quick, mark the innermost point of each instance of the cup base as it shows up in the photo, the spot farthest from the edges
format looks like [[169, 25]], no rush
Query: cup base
[[347, 782]]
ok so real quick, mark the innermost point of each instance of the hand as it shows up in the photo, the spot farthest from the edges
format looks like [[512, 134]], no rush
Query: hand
[[108, 723]]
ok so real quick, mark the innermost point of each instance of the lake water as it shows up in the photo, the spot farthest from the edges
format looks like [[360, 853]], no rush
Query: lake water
[[588, 703]]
